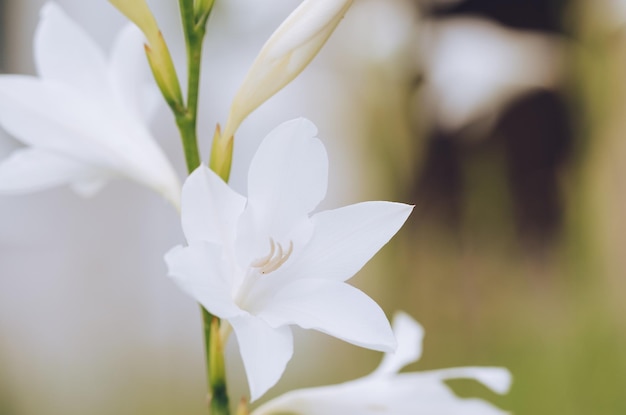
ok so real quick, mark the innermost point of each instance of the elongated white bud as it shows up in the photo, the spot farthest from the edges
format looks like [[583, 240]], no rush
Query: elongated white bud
[[287, 52]]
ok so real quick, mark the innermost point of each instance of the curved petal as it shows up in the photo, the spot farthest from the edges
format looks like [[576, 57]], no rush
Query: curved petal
[[29, 170], [287, 179], [65, 53], [90, 185], [332, 307], [346, 238], [265, 352], [427, 394], [405, 394], [210, 209], [53, 117], [201, 273], [129, 70], [409, 335], [497, 379]]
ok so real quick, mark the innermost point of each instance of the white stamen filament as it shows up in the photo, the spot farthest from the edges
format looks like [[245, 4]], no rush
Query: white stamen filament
[[263, 261], [273, 260]]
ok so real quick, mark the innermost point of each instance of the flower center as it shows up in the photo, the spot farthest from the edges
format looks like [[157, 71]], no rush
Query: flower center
[[272, 261]]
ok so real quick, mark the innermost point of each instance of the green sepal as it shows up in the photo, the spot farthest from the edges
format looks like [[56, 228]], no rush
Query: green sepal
[[221, 154]]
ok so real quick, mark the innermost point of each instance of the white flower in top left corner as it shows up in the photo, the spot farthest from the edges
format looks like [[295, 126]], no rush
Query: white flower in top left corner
[[84, 118]]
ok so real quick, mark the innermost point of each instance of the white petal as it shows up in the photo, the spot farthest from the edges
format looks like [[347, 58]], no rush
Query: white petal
[[265, 352], [417, 393], [346, 238], [66, 54], [409, 335], [405, 394], [29, 170], [129, 73], [497, 379], [287, 179], [200, 272], [52, 117], [210, 208], [89, 186], [332, 307], [289, 171]]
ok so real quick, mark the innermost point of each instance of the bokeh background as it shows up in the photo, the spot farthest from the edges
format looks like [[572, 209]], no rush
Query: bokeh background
[[502, 121]]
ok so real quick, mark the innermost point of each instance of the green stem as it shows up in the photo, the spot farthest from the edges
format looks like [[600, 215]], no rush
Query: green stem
[[187, 125], [187, 119], [219, 402]]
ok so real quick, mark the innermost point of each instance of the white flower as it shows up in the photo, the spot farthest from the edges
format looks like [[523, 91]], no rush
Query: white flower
[[263, 263], [386, 392], [285, 55], [84, 119], [474, 66]]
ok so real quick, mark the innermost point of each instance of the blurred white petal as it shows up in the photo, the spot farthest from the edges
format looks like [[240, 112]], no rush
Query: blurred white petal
[[29, 170], [65, 53], [474, 66], [409, 335], [385, 392], [86, 109]]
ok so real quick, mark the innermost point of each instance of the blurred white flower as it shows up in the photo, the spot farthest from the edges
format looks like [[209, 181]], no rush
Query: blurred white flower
[[287, 52], [612, 12], [84, 119], [263, 263], [474, 66], [381, 32], [386, 392]]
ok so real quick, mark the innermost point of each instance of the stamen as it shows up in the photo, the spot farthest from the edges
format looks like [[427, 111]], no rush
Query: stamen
[[261, 262], [276, 258], [280, 260]]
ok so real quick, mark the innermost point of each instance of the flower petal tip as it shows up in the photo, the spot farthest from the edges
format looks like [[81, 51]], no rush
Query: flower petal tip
[[502, 381]]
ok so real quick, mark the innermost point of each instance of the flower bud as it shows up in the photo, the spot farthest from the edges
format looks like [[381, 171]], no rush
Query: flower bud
[[157, 52], [221, 154], [287, 52]]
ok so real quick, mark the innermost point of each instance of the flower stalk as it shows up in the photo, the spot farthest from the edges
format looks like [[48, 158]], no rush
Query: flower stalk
[[195, 15]]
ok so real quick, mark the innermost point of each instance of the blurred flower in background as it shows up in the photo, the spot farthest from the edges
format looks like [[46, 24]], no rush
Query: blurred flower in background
[[501, 120], [84, 118], [385, 391]]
